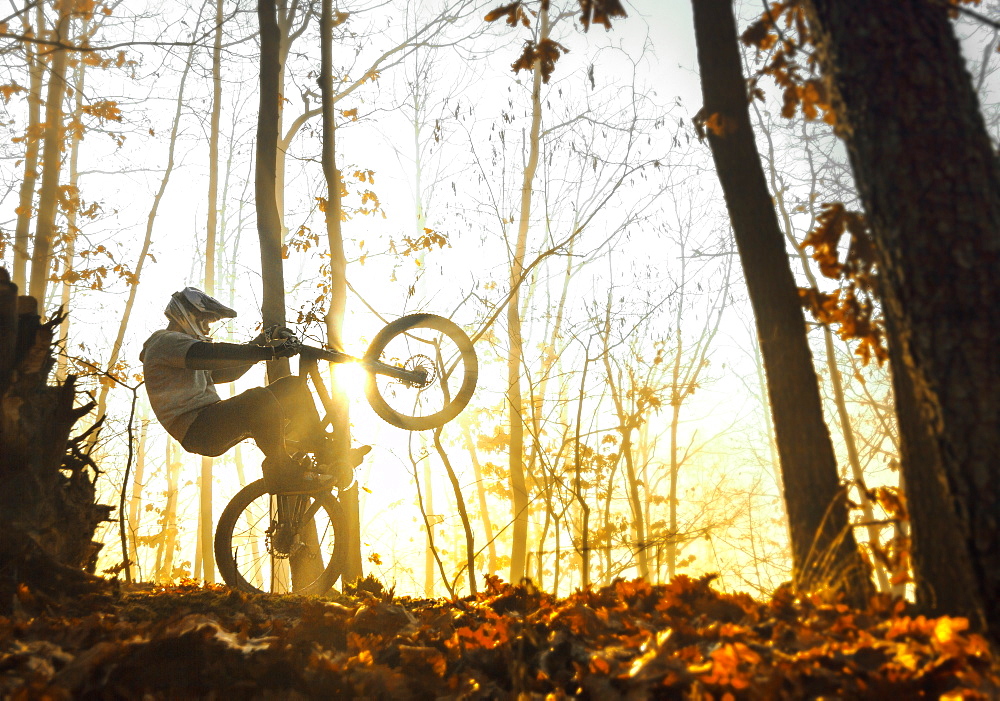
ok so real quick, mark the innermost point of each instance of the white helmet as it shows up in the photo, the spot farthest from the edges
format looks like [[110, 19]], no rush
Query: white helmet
[[194, 310]]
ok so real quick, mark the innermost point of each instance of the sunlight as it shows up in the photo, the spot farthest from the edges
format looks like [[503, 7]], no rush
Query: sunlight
[[616, 423]]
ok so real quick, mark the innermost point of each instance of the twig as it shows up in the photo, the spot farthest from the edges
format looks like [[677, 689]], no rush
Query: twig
[[121, 503], [968, 12]]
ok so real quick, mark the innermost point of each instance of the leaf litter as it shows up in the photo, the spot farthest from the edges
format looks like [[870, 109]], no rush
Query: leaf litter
[[630, 640]]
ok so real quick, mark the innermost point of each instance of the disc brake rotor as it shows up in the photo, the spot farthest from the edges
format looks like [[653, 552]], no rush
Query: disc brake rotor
[[421, 362], [278, 540]]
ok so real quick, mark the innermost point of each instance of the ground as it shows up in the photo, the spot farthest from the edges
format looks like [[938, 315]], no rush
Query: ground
[[629, 640]]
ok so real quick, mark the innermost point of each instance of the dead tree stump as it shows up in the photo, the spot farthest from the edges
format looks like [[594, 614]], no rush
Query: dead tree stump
[[48, 513]]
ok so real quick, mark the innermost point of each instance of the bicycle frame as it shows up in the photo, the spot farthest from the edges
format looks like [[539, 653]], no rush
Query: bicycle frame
[[417, 376]]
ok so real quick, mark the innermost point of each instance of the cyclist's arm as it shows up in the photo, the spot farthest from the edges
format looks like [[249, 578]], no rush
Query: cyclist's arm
[[223, 375], [225, 360]]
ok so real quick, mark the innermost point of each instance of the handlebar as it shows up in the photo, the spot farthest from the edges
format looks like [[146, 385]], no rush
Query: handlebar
[[416, 377]]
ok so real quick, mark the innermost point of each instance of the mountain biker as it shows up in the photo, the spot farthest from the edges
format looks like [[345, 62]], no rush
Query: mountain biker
[[181, 366]]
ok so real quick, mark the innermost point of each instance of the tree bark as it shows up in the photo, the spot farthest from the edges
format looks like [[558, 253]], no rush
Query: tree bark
[[929, 180], [942, 570], [48, 513], [268, 216], [824, 552], [48, 196]]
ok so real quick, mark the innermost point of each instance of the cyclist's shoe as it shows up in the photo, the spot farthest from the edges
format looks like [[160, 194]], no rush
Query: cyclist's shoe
[[355, 456], [342, 470], [289, 476]]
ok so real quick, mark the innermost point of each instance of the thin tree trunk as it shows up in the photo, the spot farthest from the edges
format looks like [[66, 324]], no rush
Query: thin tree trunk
[[470, 541], [48, 196], [79, 74], [608, 548], [138, 482], [198, 544], [518, 486], [578, 494], [428, 503], [824, 552], [675, 414], [338, 284], [206, 517], [549, 360], [165, 564], [268, 216], [31, 142], [625, 427], [484, 511]]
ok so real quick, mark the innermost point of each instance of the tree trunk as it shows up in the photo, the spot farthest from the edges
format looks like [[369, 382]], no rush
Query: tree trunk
[[824, 552], [48, 513], [625, 428], [518, 486], [340, 418], [675, 416], [463, 513], [836, 383], [429, 524], [168, 543], [943, 576], [48, 196], [578, 490], [205, 511], [31, 142], [929, 180], [138, 482], [268, 217], [79, 75], [484, 511]]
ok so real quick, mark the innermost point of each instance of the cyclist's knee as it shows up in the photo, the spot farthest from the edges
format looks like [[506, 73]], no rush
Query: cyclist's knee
[[289, 383], [261, 402], [289, 390]]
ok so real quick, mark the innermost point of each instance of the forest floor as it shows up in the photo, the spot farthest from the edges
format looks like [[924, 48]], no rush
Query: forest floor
[[630, 640]]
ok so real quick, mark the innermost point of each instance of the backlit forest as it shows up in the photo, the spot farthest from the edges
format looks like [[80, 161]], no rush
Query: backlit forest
[[730, 273]]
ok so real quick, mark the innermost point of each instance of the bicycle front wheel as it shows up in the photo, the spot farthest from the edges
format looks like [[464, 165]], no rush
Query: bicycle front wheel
[[280, 543], [440, 348]]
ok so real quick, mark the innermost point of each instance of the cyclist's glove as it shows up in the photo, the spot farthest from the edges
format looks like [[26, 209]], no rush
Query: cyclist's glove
[[287, 348], [272, 333]]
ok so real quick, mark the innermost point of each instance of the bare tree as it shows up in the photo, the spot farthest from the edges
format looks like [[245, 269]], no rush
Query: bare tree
[[823, 545]]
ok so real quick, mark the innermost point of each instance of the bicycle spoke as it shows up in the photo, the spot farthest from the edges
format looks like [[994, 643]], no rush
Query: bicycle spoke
[[279, 544]]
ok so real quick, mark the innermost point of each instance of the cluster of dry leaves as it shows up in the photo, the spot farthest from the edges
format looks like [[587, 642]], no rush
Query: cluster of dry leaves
[[630, 640]]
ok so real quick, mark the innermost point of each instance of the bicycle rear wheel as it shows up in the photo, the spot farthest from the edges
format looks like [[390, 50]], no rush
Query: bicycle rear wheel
[[278, 543], [436, 345]]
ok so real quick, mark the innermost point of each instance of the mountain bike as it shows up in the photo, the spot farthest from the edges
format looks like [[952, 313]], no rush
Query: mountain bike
[[421, 373]]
